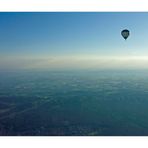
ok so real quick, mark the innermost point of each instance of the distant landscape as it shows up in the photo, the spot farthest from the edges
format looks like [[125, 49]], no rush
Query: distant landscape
[[74, 103]]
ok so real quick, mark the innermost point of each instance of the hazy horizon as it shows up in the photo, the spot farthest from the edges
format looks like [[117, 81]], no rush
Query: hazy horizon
[[74, 62]]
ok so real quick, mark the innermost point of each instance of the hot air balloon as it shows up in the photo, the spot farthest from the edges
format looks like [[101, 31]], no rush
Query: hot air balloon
[[125, 33]]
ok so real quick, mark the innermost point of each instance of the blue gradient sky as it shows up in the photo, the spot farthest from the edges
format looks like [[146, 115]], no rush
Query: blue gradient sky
[[36, 40]]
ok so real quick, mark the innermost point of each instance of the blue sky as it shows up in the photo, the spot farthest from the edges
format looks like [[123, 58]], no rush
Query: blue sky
[[51, 39]]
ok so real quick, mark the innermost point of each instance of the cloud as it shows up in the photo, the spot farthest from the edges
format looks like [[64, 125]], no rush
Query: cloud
[[76, 62]]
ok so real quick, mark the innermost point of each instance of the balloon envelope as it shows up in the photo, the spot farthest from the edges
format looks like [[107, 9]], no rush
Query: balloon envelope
[[125, 33]]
